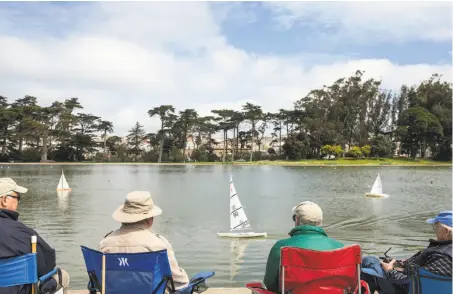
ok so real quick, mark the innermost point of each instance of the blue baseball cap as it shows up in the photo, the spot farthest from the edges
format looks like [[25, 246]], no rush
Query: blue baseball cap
[[444, 217]]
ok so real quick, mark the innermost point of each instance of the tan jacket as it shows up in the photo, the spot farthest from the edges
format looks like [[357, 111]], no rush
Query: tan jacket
[[135, 238]]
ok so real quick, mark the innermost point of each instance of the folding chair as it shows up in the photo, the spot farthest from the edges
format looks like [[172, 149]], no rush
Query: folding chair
[[137, 273], [309, 271], [425, 282], [23, 270]]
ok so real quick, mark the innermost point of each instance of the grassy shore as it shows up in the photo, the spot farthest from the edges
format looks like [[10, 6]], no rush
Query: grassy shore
[[310, 162]]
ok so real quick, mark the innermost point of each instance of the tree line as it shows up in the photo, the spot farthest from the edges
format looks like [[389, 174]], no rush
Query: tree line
[[353, 117], [30, 132]]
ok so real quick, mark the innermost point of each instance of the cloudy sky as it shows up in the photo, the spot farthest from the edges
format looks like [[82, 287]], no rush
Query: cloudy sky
[[122, 59]]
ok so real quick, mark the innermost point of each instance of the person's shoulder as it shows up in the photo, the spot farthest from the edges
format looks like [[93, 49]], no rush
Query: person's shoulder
[[17, 227], [160, 237], [9, 223], [336, 242], [160, 240], [108, 234], [282, 243]]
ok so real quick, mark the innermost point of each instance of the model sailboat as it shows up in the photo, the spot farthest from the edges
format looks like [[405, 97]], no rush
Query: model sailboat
[[63, 184], [376, 190], [238, 218]]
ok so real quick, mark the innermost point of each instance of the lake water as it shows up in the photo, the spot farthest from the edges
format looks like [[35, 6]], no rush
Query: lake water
[[195, 204]]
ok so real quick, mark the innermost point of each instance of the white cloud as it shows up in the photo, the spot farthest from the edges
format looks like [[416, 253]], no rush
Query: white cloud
[[120, 61], [369, 22]]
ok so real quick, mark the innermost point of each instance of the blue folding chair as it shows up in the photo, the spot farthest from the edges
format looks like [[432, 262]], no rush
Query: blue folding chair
[[23, 270], [138, 273], [425, 282]]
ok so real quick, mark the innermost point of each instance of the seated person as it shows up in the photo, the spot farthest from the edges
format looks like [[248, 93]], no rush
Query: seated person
[[436, 258], [136, 216], [307, 234], [16, 239]]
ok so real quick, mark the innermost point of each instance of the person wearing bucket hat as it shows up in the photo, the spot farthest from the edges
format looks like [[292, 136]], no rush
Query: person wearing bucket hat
[[436, 258], [16, 240], [307, 233], [136, 216]]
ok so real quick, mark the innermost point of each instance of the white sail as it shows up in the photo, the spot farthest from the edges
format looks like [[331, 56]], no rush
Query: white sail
[[63, 184], [377, 186], [238, 219]]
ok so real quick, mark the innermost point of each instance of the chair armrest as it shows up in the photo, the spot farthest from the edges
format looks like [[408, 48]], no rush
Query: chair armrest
[[200, 277], [363, 285], [195, 283], [47, 276], [258, 287]]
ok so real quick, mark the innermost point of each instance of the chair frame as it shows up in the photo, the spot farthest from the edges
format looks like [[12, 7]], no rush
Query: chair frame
[[415, 275], [94, 286], [283, 271], [43, 278], [259, 287]]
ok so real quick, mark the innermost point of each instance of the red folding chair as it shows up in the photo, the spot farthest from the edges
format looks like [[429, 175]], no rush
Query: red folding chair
[[316, 272]]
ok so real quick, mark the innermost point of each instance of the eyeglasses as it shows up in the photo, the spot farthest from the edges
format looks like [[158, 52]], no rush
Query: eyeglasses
[[13, 196]]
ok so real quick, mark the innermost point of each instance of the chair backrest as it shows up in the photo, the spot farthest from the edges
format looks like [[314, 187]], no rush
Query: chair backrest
[[137, 273], [425, 282], [310, 271], [20, 270]]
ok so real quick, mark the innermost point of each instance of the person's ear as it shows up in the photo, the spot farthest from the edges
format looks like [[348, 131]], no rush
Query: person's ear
[[3, 201]]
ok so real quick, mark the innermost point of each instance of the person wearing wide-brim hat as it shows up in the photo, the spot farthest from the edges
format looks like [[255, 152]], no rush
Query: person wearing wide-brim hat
[[136, 216], [436, 258]]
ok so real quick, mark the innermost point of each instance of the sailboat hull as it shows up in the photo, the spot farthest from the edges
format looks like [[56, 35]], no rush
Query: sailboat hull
[[60, 189], [242, 235], [376, 195]]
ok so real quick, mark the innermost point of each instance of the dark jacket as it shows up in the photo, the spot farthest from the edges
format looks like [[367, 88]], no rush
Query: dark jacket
[[15, 240], [436, 258], [306, 237]]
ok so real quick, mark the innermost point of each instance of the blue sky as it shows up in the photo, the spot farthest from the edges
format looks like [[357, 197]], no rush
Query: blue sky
[[122, 58], [260, 34]]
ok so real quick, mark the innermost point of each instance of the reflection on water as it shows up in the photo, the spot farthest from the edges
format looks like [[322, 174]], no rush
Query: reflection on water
[[238, 247], [63, 199], [195, 204]]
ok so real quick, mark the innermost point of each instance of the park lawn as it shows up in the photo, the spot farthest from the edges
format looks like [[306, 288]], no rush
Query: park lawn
[[307, 162], [350, 161]]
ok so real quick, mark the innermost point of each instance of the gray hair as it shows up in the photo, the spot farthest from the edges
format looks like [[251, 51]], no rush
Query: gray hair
[[299, 222]]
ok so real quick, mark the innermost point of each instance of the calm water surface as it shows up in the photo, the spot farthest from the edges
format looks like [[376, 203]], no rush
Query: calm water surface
[[195, 204]]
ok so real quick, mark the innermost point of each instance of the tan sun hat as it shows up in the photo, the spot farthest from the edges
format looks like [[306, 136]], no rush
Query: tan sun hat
[[138, 206], [308, 212]]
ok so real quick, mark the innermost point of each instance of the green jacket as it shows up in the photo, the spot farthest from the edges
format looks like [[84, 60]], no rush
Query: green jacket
[[307, 237]]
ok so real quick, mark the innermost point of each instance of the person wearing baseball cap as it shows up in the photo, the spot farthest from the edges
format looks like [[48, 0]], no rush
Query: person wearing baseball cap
[[436, 258], [136, 216], [307, 233], [15, 239]]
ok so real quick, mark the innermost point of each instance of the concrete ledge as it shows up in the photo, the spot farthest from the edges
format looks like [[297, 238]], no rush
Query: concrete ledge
[[209, 291]]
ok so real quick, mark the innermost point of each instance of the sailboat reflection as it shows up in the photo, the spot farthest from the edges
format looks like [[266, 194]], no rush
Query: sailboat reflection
[[237, 248], [63, 199]]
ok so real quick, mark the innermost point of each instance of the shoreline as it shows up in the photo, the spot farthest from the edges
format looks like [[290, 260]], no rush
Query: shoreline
[[307, 163]]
